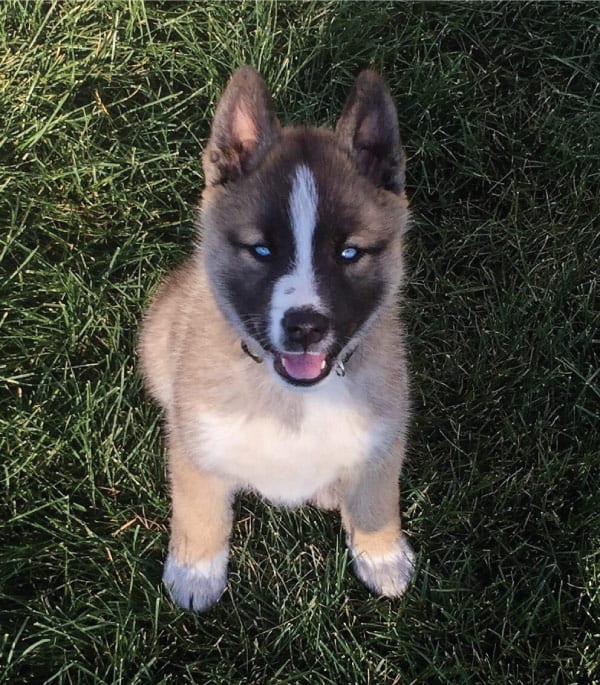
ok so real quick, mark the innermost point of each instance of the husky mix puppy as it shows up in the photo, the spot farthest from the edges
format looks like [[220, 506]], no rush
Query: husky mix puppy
[[276, 351]]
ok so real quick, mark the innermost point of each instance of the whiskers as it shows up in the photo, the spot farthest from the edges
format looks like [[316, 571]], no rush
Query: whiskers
[[255, 325]]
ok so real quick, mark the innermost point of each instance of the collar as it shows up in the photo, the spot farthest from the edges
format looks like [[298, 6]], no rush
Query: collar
[[246, 349]]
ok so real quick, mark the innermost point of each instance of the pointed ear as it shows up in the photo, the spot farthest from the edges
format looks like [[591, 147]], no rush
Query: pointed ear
[[244, 127], [368, 129]]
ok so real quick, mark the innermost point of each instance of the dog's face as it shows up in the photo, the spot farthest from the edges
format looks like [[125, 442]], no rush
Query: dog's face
[[302, 227]]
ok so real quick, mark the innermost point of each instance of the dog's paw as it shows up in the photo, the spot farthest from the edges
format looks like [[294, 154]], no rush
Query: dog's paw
[[196, 587], [385, 574]]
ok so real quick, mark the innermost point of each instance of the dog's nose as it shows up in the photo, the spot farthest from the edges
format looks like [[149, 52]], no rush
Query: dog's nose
[[304, 327]]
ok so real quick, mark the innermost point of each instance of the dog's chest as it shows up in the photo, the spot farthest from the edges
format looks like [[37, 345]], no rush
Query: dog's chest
[[288, 464]]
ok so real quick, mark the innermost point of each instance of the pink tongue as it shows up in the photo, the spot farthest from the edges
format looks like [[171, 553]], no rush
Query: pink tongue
[[303, 366]]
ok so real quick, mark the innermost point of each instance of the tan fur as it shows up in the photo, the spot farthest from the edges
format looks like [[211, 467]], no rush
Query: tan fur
[[217, 400], [193, 364], [202, 516]]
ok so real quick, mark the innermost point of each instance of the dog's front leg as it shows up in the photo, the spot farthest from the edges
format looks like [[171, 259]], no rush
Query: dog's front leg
[[195, 571], [381, 556]]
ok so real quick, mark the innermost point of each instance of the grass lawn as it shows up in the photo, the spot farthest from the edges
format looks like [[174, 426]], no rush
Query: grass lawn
[[104, 109]]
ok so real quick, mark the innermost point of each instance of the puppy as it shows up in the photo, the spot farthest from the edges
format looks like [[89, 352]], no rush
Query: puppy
[[276, 351]]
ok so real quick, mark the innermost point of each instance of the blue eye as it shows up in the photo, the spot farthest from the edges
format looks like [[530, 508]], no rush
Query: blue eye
[[261, 251], [349, 254]]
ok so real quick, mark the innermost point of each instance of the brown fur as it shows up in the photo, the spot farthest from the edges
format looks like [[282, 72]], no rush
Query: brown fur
[[194, 366]]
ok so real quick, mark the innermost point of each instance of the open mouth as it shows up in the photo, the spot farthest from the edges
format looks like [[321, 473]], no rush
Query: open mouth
[[302, 368]]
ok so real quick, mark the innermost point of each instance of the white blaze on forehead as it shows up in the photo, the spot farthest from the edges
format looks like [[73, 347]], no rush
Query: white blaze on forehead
[[298, 288], [303, 217]]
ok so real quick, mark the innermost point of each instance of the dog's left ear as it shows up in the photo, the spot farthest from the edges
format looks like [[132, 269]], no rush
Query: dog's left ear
[[368, 129], [244, 127]]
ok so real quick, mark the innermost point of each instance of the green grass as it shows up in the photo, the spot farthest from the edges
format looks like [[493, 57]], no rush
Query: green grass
[[104, 109]]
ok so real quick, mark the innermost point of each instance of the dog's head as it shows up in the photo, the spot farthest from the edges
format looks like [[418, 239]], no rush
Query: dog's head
[[302, 227]]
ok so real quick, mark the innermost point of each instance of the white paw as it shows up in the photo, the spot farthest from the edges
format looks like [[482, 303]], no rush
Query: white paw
[[196, 587], [385, 574]]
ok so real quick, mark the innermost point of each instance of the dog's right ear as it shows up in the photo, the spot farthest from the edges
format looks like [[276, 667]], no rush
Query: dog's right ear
[[368, 129], [244, 127]]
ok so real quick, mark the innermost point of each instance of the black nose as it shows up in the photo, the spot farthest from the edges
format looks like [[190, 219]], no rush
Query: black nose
[[304, 327]]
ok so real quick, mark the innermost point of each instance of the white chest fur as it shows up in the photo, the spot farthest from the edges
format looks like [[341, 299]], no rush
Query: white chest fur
[[288, 465]]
